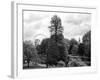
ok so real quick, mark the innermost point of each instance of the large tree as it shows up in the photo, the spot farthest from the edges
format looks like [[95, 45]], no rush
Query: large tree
[[56, 26], [56, 48]]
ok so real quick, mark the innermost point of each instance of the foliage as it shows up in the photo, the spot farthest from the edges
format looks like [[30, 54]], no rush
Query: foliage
[[74, 50], [29, 52], [67, 43], [73, 46], [54, 47], [57, 49], [81, 49], [54, 51], [73, 42], [85, 47], [87, 44], [44, 45], [56, 26]]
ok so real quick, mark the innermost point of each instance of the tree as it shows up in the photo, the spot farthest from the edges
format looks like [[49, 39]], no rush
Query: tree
[[52, 53], [73, 46], [73, 42], [74, 50], [44, 45], [56, 26], [43, 49], [67, 43], [29, 52], [56, 49], [81, 49], [87, 44]]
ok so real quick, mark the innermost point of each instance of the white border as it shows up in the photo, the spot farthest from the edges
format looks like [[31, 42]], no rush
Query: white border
[[17, 67]]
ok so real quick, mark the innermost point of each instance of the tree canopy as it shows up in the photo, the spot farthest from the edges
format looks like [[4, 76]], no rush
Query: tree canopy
[[87, 43], [29, 52], [56, 26]]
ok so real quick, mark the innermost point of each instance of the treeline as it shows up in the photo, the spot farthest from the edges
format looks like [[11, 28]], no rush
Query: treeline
[[81, 48], [48, 52]]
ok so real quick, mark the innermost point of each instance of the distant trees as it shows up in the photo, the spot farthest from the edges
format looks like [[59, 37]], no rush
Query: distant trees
[[73, 49], [44, 45], [81, 49], [29, 52], [67, 43], [87, 44], [43, 50]]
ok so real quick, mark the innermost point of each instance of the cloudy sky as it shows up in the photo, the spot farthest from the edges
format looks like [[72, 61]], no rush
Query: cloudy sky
[[36, 23]]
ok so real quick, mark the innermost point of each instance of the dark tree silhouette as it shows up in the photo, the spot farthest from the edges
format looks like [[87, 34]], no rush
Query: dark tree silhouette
[[81, 49], [56, 48], [87, 44], [43, 50], [73, 49], [56, 26]]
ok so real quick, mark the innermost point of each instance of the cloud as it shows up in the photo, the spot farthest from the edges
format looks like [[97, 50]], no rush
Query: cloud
[[75, 25], [77, 19], [30, 17], [77, 30], [35, 28]]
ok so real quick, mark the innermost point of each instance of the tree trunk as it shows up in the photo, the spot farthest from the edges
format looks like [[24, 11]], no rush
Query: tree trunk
[[28, 63]]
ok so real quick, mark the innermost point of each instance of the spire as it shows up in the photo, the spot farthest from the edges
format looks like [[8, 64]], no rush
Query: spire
[[79, 40]]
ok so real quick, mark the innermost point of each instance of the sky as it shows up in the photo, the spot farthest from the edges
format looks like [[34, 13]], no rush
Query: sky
[[36, 24]]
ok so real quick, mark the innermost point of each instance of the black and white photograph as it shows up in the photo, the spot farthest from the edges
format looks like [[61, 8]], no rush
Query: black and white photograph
[[56, 39]]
